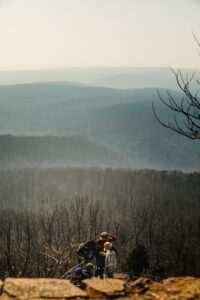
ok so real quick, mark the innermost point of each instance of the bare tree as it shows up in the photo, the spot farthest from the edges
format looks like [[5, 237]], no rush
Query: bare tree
[[156, 209], [186, 111]]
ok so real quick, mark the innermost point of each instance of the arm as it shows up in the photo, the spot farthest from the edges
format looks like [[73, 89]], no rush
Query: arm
[[112, 238]]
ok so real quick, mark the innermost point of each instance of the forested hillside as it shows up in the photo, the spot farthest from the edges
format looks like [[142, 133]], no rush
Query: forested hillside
[[55, 151], [47, 212]]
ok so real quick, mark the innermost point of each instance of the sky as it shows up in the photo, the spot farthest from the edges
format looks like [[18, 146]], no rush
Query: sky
[[48, 34]]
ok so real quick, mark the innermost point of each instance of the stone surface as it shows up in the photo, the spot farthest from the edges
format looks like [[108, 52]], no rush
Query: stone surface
[[175, 288], [1, 285], [121, 276], [97, 288], [41, 288], [185, 287], [6, 297], [141, 285]]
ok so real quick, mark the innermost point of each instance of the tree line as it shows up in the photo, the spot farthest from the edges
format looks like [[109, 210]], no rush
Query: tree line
[[46, 213]]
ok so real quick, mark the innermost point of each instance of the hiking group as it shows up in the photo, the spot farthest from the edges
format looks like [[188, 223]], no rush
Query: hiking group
[[105, 256]]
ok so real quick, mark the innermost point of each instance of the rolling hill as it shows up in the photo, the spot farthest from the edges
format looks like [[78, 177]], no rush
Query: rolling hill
[[120, 121]]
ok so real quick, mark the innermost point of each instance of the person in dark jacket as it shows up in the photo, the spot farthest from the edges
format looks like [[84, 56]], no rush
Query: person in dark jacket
[[100, 253], [86, 251], [78, 277], [100, 259]]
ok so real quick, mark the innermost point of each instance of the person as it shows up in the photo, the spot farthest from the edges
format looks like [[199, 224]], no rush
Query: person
[[110, 259], [86, 251], [100, 253], [100, 259], [89, 270], [78, 277], [92, 248]]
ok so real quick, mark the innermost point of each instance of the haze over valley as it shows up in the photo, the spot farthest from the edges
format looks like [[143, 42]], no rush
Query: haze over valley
[[115, 121]]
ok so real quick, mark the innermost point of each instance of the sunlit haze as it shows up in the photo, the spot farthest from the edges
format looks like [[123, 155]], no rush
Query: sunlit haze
[[46, 34]]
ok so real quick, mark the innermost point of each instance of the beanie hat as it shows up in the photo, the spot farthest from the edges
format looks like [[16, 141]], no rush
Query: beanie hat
[[78, 271]]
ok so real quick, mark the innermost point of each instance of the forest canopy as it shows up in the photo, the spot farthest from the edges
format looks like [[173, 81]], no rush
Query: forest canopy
[[49, 212]]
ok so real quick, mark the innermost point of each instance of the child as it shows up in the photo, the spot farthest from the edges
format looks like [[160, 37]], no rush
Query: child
[[89, 270], [110, 259], [78, 276]]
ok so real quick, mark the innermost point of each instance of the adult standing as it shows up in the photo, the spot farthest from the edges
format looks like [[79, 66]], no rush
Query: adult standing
[[100, 253]]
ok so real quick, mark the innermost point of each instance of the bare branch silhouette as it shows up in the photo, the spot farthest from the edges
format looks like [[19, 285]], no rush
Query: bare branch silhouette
[[186, 113]]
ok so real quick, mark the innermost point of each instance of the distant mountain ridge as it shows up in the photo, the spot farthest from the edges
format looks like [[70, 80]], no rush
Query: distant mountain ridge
[[117, 77], [120, 121]]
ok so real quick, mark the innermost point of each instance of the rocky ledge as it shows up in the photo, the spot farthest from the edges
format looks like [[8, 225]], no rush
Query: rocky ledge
[[175, 288]]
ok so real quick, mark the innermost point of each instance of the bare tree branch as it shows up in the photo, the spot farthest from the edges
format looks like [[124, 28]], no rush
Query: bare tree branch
[[188, 108]]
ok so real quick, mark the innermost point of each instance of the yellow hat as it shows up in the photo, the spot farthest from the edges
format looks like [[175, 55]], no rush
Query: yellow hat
[[108, 245], [104, 235]]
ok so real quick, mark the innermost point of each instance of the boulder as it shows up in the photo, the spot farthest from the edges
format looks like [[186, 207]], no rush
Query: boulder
[[185, 287], [25, 288], [106, 288], [141, 285], [174, 288]]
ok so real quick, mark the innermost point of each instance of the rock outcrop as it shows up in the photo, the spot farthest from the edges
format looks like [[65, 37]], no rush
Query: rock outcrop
[[107, 288], [175, 288]]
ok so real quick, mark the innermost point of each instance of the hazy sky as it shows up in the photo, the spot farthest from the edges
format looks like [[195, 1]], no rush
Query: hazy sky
[[38, 34]]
